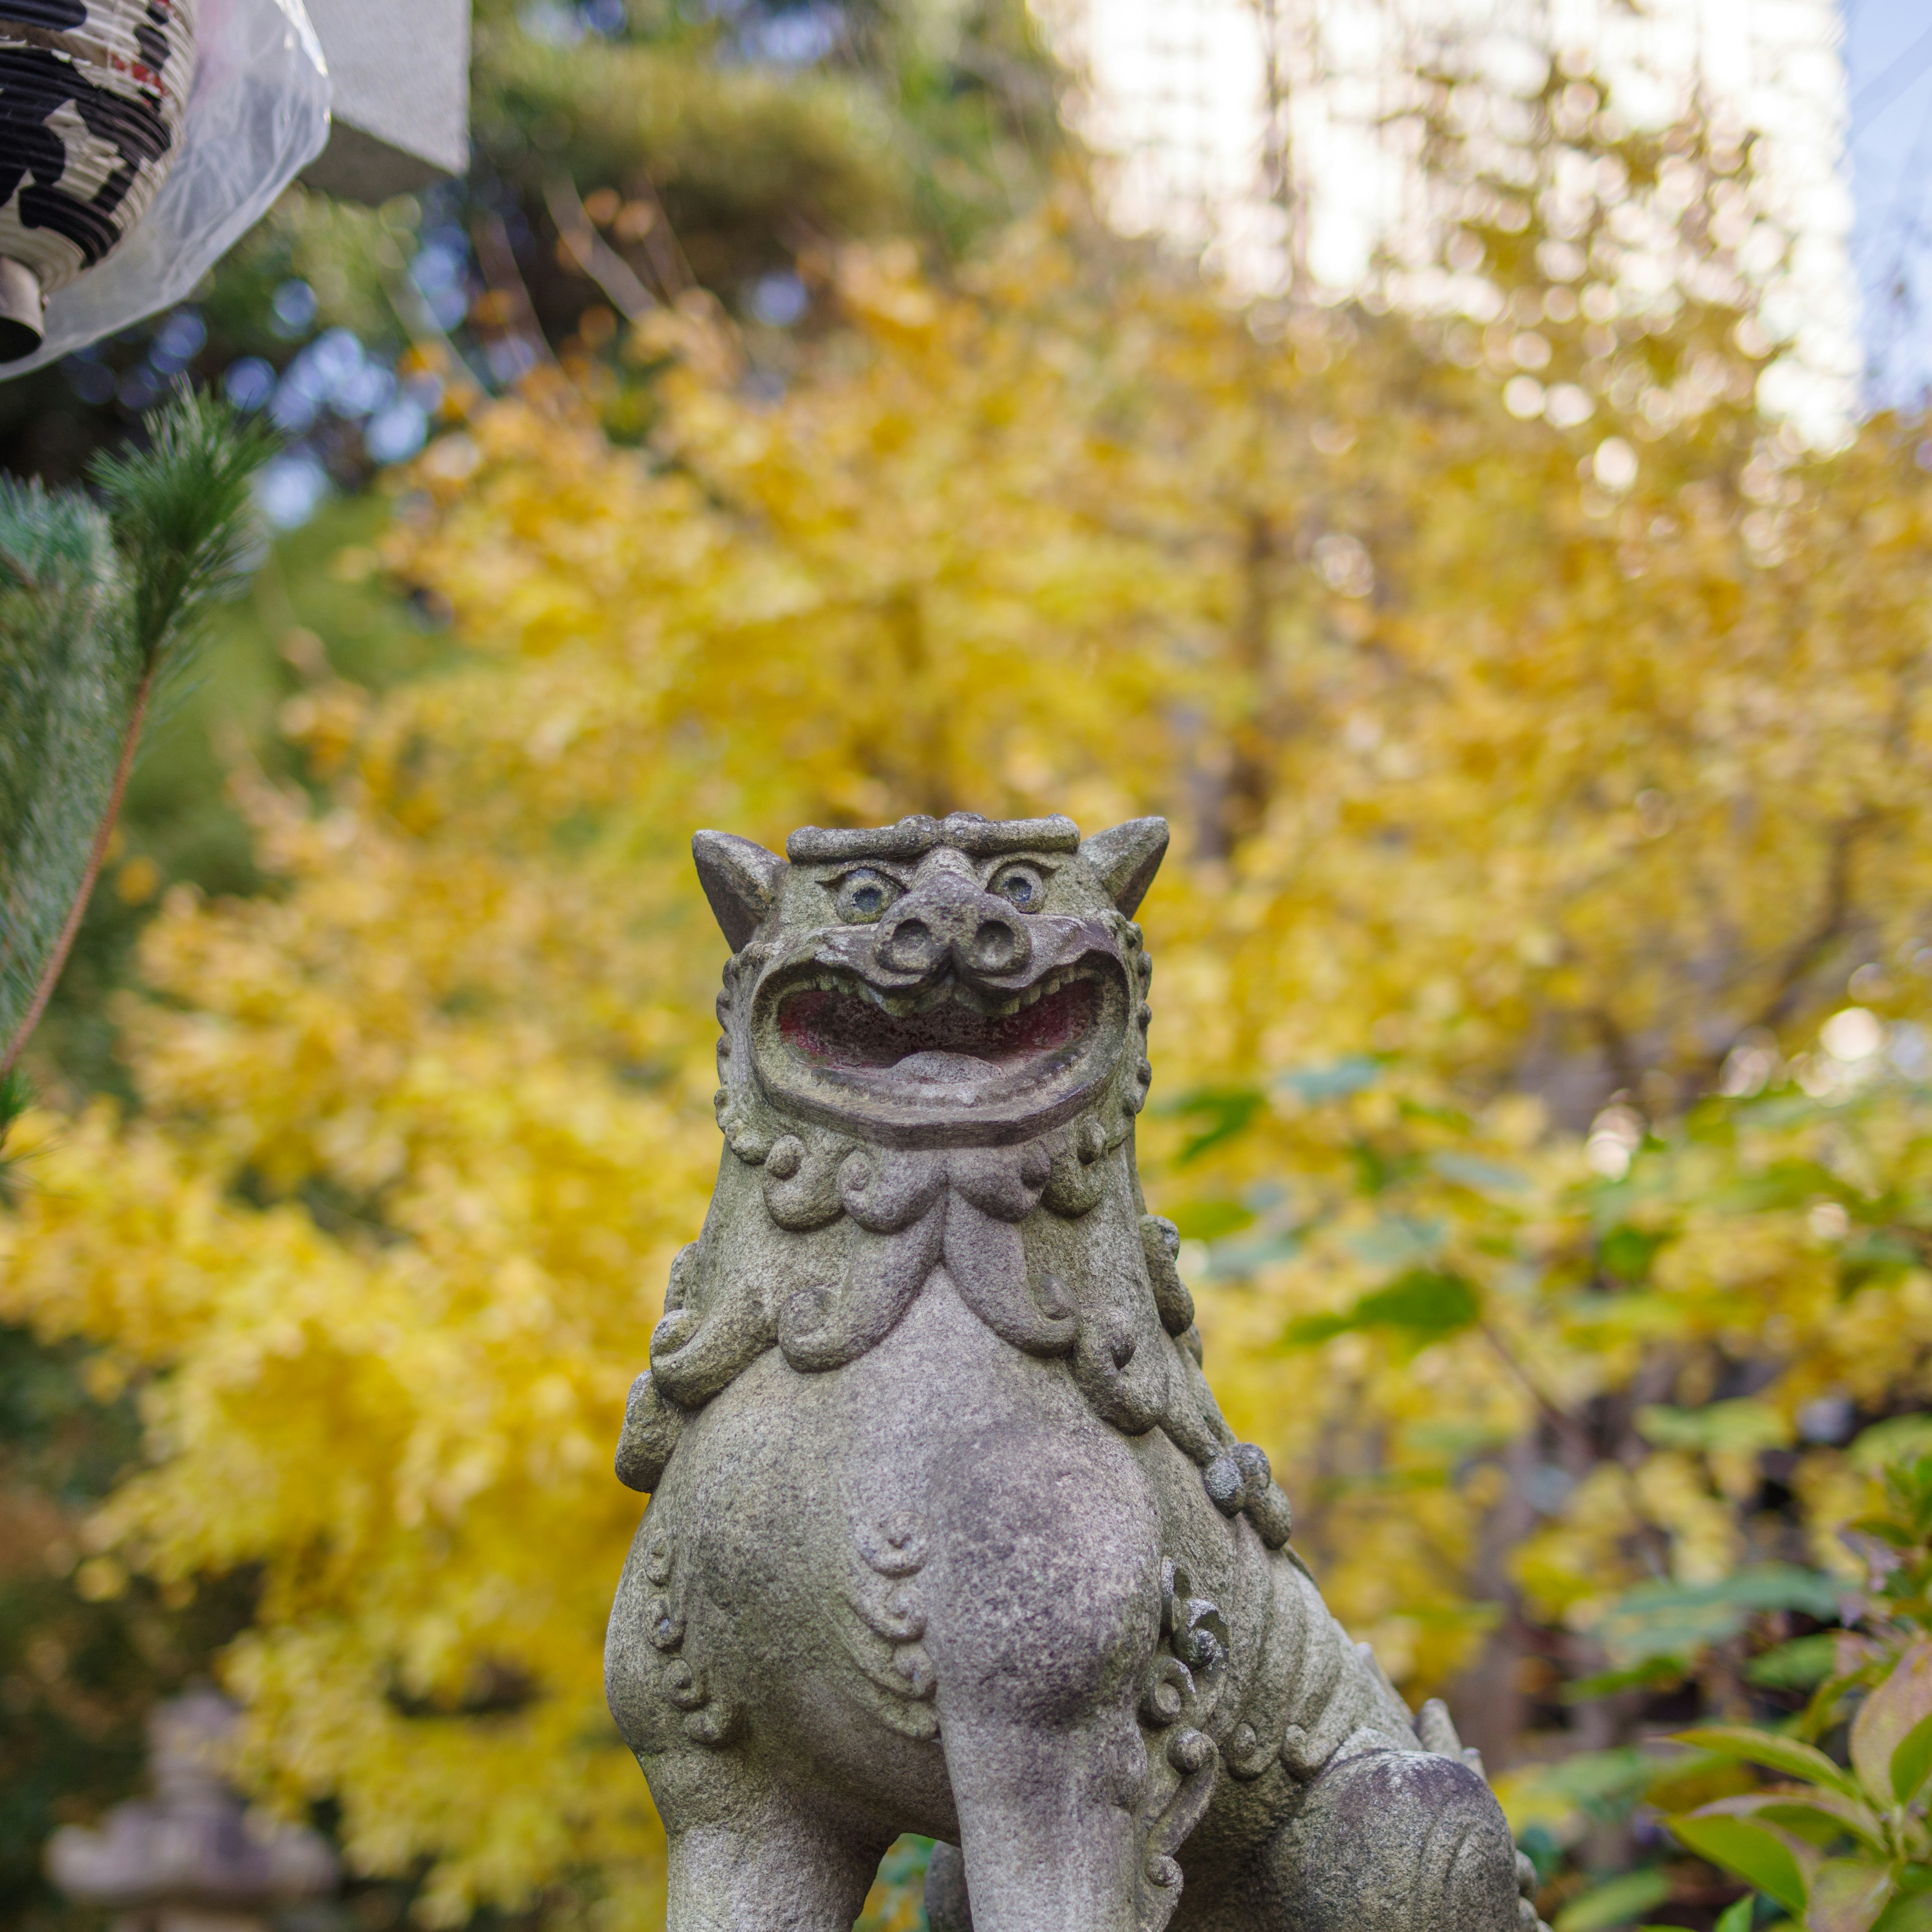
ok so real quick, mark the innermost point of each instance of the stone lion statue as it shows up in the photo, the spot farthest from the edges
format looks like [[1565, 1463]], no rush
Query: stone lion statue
[[946, 1533]]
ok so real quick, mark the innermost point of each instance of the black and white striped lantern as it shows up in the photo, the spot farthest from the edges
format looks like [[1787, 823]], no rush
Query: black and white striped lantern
[[91, 97]]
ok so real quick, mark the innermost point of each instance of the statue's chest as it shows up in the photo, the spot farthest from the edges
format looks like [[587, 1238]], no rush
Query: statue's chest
[[815, 1533]]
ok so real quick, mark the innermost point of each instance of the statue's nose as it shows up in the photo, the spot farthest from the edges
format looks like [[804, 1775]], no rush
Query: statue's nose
[[979, 936], [914, 940], [1000, 945]]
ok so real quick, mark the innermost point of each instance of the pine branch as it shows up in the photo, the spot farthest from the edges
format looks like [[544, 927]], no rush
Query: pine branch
[[68, 676], [180, 513], [96, 608], [97, 853]]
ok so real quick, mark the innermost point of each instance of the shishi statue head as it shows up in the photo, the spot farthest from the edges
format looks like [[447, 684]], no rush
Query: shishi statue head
[[939, 983], [934, 1047]]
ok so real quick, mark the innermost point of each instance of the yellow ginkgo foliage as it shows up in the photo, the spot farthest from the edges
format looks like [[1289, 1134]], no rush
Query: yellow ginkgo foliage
[[1544, 781]]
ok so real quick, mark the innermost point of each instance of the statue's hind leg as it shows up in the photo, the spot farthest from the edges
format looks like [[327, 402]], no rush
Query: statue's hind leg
[[777, 1862], [1387, 1841], [1398, 1841]]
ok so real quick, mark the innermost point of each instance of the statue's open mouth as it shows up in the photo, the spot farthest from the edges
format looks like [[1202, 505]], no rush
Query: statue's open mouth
[[852, 1025], [945, 1055]]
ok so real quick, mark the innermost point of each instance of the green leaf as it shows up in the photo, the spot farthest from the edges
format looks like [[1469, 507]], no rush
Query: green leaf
[[1626, 1252], [1821, 1713], [1396, 1242], [1426, 1300], [1802, 1663], [1760, 1857], [1911, 1760], [1209, 1220], [1604, 1785], [1780, 1183], [1774, 1753], [1223, 1113], [1847, 1895], [1676, 1635], [1312, 1330], [1877, 1256], [1426, 1303], [1744, 1425], [1894, 1533], [1894, 1440], [1888, 1716], [1334, 1081], [1653, 1672], [1240, 1260], [1677, 1620], [1819, 1817], [1606, 1782], [1736, 1917], [1761, 1586], [1757, 1587], [1908, 1911], [1481, 1176], [1616, 1902]]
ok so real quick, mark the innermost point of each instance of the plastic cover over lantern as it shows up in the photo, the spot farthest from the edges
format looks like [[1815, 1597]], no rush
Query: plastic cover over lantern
[[139, 140]]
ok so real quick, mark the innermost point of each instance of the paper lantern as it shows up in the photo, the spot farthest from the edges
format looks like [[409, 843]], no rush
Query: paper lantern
[[139, 140], [91, 95]]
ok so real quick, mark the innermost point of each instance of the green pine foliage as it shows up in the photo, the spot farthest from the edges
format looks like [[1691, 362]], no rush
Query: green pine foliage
[[180, 511], [99, 603], [70, 669]]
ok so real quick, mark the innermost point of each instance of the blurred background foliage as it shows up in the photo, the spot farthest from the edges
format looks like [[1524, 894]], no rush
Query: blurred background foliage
[[766, 432]]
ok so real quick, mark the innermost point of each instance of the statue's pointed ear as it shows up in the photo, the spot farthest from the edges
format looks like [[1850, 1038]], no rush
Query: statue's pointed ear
[[1126, 856], [740, 878]]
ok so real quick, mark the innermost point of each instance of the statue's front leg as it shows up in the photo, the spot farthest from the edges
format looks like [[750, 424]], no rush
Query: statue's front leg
[[767, 1857], [757, 1841], [1041, 1634], [1047, 1825]]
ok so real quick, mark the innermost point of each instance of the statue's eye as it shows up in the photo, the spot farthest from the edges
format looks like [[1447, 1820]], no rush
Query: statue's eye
[[1021, 886], [864, 895]]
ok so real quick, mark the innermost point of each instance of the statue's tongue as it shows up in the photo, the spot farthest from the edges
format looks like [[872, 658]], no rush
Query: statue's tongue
[[938, 1069]]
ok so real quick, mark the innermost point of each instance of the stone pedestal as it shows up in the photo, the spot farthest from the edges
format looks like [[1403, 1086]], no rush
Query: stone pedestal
[[190, 1858]]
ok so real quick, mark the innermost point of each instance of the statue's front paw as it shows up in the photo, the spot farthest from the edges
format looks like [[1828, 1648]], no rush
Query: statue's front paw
[[1527, 1885], [652, 1426]]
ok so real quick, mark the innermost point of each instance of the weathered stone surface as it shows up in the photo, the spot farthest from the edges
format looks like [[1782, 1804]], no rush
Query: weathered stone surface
[[947, 1533]]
